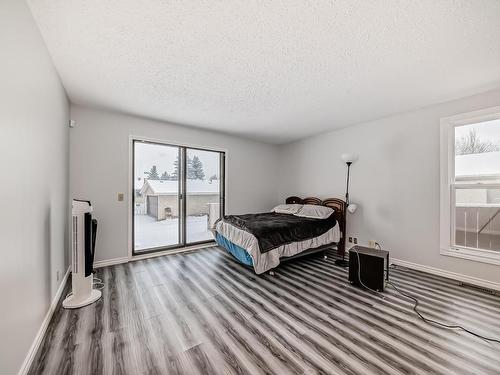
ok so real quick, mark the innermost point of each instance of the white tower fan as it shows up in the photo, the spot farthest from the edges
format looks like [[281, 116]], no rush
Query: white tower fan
[[83, 230]]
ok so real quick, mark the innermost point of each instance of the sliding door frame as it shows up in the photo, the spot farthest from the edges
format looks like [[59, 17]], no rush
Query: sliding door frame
[[182, 197]]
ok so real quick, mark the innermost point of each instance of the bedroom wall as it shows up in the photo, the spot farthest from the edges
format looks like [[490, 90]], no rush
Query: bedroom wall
[[395, 181], [34, 119], [99, 162]]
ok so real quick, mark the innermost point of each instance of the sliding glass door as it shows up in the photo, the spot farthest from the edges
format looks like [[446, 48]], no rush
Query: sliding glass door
[[156, 196], [203, 193], [178, 195]]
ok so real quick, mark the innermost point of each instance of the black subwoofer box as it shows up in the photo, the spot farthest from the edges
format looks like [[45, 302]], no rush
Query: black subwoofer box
[[370, 268]]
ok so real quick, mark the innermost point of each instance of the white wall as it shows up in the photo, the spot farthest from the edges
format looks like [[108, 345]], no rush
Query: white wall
[[34, 113], [99, 162], [395, 181]]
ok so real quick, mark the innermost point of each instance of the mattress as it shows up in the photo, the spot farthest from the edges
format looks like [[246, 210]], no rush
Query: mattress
[[228, 235]]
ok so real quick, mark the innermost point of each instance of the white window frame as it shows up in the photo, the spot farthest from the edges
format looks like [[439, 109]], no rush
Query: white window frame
[[448, 186]]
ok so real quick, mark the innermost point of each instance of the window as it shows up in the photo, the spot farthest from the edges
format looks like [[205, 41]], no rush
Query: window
[[470, 186], [178, 195]]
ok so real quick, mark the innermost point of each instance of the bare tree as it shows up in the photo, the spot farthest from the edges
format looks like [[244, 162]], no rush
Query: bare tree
[[472, 144]]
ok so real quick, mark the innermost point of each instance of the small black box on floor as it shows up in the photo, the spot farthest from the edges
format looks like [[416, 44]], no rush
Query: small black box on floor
[[372, 268]]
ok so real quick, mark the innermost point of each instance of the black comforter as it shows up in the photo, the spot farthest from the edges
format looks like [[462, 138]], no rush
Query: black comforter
[[273, 230]]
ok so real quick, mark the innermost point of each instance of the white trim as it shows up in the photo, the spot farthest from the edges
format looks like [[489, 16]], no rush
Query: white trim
[[483, 115], [131, 192], [449, 275], [446, 163], [448, 185], [110, 262], [130, 184], [477, 185], [28, 361], [171, 252], [168, 142], [478, 255], [121, 260]]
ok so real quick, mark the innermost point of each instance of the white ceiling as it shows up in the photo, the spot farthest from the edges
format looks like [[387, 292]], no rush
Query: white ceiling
[[271, 70]]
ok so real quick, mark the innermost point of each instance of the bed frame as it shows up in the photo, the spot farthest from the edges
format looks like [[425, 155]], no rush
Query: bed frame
[[340, 212]]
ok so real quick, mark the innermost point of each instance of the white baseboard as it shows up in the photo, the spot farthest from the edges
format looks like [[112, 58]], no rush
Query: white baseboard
[[120, 260], [181, 250], [448, 274], [110, 262], [45, 323]]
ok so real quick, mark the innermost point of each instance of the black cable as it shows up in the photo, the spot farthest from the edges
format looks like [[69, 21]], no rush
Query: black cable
[[430, 321], [416, 301]]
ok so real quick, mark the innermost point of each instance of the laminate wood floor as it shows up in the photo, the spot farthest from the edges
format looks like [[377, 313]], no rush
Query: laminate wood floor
[[203, 313]]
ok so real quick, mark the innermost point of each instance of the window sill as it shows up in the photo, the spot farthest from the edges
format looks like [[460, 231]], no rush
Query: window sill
[[483, 256]]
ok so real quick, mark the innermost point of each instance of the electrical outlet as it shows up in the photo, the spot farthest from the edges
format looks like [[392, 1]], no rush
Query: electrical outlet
[[355, 240], [58, 275], [350, 239], [120, 197]]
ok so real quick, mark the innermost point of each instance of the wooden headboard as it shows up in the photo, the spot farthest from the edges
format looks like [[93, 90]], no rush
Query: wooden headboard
[[340, 212]]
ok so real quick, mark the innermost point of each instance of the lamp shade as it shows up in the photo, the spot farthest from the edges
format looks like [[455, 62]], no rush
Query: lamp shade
[[349, 158], [352, 208]]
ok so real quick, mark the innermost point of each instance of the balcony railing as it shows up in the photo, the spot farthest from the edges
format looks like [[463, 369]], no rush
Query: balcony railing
[[477, 226]]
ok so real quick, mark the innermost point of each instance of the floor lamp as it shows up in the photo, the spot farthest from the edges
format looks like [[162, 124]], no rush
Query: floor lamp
[[351, 207]]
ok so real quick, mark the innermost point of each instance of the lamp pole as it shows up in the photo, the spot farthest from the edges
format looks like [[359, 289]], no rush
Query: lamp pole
[[342, 262], [347, 184]]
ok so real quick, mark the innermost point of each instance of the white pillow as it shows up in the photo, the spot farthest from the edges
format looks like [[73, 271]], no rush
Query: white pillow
[[314, 211], [287, 209]]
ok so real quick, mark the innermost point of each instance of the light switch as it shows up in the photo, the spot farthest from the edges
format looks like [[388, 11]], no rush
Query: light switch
[[120, 197]]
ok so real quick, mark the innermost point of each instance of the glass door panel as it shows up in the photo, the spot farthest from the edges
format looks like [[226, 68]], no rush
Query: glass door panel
[[156, 219], [203, 193]]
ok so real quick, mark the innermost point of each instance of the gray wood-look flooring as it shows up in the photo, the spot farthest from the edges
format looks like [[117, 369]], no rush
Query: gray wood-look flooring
[[203, 313]]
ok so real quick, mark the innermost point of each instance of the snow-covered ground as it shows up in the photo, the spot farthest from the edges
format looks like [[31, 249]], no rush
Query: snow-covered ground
[[150, 233]]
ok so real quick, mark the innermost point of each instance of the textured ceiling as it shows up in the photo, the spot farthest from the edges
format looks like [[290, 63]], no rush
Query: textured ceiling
[[271, 70]]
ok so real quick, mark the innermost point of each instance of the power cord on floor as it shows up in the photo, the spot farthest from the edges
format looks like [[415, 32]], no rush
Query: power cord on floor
[[435, 322], [416, 304], [98, 284]]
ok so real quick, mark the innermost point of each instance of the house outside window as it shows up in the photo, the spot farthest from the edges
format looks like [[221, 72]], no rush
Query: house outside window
[[470, 186]]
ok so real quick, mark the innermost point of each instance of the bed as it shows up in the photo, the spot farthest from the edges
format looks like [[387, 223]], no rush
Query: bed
[[263, 241]]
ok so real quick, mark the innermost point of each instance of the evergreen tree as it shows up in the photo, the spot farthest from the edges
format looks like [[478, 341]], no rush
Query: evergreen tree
[[153, 173], [194, 169], [197, 169], [165, 176], [175, 175], [191, 174]]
